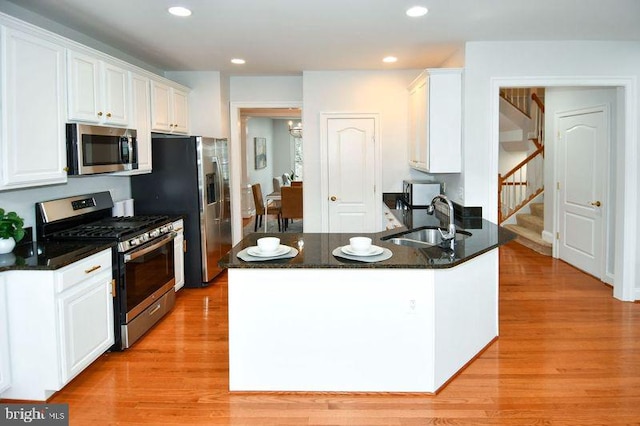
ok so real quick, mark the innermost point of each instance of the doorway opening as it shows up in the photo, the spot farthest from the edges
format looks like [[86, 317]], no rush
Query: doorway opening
[[269, 152], [620, 245]]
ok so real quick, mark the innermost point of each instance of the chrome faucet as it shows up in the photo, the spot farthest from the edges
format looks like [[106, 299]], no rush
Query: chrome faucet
[[450, 235]]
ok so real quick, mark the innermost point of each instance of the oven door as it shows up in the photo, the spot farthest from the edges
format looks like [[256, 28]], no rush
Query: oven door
[[149, 274]]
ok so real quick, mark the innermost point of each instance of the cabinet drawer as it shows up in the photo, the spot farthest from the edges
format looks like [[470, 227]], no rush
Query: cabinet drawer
[[94, 265]]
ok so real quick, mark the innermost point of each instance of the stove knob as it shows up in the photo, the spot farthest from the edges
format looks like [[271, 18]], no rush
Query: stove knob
[[134, 242], [154, 233]]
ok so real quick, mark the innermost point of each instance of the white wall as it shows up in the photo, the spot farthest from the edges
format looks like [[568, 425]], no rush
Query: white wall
[[259, 128], [488, 64], [23, 201], [382, 92], [282, 148], [266, 89]]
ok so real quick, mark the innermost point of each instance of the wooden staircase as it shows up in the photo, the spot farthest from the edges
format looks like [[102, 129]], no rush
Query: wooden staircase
[[529, 229]]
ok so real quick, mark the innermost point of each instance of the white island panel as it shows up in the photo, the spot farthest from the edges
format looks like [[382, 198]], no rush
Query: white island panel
[[358, 330], [330, 330], [466, 312]]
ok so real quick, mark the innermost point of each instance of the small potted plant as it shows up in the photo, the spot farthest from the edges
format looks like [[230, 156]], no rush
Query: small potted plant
[[11, 230]]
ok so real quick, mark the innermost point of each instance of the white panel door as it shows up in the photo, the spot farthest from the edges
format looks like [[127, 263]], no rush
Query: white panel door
[[351, 174], [582, 158]]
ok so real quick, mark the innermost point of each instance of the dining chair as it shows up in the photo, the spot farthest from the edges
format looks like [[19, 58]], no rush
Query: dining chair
[[272, 208], [291, 204], [277, 183]]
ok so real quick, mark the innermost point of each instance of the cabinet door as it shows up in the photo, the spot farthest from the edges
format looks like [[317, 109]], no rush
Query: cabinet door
[[86, 324], [84, 88], [180, 111], [418, 124], [142, 120], [33, 110], [178, 253], [444, 113], [160, 107], [5, 366], [116, 95]]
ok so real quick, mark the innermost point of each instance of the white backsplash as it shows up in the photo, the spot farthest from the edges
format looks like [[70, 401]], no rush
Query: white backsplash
[[23, 201]]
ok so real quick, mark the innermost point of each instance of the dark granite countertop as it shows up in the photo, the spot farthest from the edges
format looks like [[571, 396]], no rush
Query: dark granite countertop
[[32, 256], [315, 248]]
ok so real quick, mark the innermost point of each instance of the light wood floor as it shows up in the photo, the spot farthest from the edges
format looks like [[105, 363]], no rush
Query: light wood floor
[[568, 354]]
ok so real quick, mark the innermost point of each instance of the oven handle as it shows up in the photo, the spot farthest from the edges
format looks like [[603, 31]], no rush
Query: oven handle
[[146, 249]]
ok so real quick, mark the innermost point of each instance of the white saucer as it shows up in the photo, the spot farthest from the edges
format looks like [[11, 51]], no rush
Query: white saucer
[[373, 251], [255, 251]]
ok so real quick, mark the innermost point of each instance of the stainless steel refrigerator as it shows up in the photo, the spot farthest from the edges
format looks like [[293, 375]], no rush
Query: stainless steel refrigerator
[[190, 178]]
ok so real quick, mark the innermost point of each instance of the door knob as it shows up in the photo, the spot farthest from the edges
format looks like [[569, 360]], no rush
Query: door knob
[[333, 198], [597, 203]]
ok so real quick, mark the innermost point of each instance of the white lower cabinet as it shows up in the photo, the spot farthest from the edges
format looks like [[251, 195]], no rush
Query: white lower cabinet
[[178, 253], [5, 361], [59, 322]]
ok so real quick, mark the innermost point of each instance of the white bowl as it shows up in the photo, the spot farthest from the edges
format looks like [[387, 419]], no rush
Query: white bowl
[[360, 244], [268, 244]]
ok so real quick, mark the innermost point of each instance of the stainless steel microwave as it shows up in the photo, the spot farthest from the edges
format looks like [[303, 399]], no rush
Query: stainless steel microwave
[[98, 149], [417, 194]]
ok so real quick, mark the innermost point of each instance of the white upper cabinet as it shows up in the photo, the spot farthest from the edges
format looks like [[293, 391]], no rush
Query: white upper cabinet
[[33, 110], [169, 109], [142, 121], [98, 91], [435, 121]]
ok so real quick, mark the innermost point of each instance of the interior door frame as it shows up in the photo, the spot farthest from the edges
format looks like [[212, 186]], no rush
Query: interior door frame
[[627, 198], [324, 161], [236, 160], [602, 270]]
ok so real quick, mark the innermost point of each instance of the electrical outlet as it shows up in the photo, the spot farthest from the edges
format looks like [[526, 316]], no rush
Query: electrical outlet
[[412, 306]]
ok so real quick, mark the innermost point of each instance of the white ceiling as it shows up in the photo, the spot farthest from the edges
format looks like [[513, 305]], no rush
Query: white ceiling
[[288, 36]]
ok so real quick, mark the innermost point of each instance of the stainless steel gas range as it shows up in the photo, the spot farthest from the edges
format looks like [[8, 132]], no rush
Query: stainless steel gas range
[[143, 256]]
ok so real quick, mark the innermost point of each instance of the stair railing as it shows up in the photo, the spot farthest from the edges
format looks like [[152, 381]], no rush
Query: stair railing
[[518, 97], [524, 182]]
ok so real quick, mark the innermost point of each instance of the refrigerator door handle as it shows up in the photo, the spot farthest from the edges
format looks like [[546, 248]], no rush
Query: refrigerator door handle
[[220, 187]]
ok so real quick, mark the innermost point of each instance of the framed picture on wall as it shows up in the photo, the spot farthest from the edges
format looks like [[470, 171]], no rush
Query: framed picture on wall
[[260, 152]]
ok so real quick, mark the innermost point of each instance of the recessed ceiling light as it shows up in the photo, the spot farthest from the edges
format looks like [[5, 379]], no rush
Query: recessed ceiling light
[[179, 11], [238, 61], [390, 59], [417, 11]]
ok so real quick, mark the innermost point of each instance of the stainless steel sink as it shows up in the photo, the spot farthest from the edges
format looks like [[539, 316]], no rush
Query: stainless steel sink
[[427, 236]]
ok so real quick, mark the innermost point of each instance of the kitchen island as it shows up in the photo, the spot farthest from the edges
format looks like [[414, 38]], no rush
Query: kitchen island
[[321, 323]]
